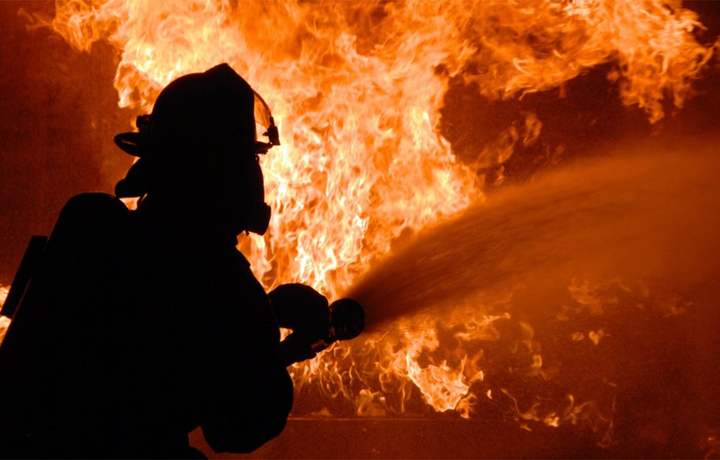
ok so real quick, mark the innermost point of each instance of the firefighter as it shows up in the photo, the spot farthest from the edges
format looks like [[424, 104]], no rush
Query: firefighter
[[160, 326], [207, 335]]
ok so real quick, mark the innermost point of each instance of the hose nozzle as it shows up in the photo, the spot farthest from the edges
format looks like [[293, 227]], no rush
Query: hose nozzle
[[347, 319]]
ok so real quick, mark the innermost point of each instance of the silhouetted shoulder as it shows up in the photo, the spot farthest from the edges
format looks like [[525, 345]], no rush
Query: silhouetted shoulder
[[91, 216]]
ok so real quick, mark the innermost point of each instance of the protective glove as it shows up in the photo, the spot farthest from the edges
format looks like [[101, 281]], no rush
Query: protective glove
[[300, 308]]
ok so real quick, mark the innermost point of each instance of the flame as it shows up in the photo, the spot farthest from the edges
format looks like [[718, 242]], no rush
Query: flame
[[4, 320], [4, 291], [356, 89]]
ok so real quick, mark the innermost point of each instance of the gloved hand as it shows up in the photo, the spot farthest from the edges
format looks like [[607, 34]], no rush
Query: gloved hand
[[315, 324], [300, 308], [305, 311], [298, 347]]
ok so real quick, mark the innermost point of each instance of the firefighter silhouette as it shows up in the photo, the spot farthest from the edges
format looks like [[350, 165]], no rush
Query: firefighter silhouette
[[134, 328]]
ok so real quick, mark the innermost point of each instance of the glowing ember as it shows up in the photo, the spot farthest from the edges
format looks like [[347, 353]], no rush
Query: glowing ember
[[356, 89]]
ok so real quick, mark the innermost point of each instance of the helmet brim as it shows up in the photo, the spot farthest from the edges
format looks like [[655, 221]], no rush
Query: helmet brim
[[133, 143]]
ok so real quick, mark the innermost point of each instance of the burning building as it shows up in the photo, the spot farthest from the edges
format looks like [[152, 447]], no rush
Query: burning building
[[523, 195]]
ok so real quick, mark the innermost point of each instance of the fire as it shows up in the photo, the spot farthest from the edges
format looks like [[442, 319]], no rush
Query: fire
[[3, 294], [356, 89], [4, 321]]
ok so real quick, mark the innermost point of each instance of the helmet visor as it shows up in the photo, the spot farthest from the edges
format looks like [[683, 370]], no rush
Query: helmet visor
[[262, 112], [266, 133]]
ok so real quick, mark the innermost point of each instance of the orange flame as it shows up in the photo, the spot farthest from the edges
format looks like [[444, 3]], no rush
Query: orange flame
[[356, 89], [4, 320]]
